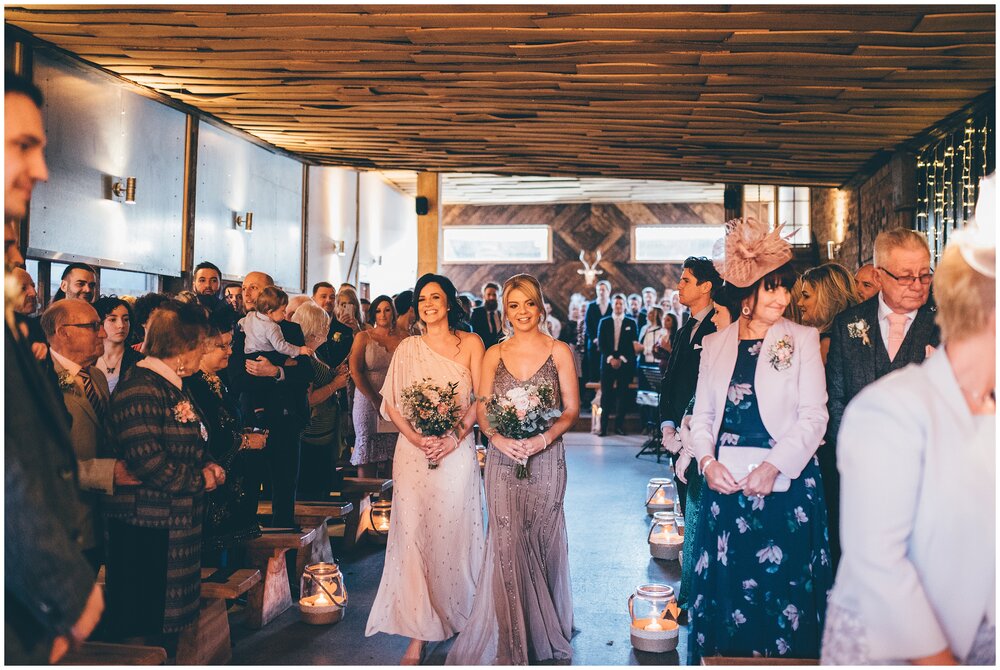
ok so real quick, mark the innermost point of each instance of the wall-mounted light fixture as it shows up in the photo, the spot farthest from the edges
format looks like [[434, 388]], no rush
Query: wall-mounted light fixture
[[245, 221], [832, 249], [339, 247], [123, 190]]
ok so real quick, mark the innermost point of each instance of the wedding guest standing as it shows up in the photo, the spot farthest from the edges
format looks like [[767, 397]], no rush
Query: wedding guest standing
[[117, 358], [870, 340], [867, 281], [596, 310], [154, 529], [763, 568], [231, 509], [825, 291], [917, 457], [486, 320], [370, 356], [523, 611], [617, 337], [435, 547]]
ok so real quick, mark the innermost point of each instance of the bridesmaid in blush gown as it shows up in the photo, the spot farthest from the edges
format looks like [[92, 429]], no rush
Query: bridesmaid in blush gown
[[523, 612], [435, 547]]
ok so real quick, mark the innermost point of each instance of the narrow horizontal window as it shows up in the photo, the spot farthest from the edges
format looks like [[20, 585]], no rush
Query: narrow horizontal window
[[497, 244], [673, 243]]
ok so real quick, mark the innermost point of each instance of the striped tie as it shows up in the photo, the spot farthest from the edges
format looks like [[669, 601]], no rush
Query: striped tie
[[96, 401]]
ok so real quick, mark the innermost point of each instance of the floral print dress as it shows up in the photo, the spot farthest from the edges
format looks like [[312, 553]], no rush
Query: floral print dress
[[762, 570]]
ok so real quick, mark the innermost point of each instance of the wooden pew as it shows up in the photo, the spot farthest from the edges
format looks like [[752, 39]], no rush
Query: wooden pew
[[313, 515], [102, 653], [356, 489], [272, 596], [207, 642]]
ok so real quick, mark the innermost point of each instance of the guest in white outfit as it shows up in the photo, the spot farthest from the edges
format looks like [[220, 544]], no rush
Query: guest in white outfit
[[917, 460], [436, 544]]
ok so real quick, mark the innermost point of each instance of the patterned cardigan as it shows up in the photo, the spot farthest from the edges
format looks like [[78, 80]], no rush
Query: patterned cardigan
[[162, 441]]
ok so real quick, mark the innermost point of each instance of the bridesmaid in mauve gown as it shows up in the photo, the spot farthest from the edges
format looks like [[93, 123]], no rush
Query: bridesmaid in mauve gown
[[435, 547], [523, 612]]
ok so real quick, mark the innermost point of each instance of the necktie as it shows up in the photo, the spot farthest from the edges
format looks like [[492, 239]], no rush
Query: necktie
[[693, 323], [897, 331], [96, 401]]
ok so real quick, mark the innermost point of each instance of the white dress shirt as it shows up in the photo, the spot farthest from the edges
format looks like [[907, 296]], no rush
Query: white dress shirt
[[67, 365]]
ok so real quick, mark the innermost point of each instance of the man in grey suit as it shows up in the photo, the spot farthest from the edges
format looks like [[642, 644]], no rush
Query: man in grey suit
[[870, 340], [76, 340], [51, 599]]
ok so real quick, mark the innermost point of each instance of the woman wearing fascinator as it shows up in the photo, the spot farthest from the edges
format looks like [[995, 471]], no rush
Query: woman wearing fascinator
[[762, 565], [917, 458]]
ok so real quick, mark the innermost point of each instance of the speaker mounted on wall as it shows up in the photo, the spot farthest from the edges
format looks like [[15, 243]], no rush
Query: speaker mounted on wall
[[422, 206]]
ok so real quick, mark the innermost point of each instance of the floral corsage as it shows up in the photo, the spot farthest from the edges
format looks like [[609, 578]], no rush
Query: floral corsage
[[337, 336], [214, 383], [781, 354], [66, 380], [859, 329], [184, 412]]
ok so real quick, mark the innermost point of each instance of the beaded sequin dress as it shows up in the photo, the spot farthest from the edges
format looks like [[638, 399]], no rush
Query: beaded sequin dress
[[371, 446], [523, 611], [435, 546]]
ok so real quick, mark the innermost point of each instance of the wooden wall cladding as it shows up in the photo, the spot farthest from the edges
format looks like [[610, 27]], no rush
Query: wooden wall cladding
[[99, 128], [574, 227], [235, 177], [785, 94]]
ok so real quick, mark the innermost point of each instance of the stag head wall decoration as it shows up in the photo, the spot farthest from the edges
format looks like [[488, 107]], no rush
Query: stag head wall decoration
[[590, 271]]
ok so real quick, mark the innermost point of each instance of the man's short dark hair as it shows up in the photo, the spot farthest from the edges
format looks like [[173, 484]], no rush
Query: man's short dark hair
[[321, 284], [619, 296], [78, 266], [15, 83], [206, 265], [490, 284], [403, 301], [703, 270]]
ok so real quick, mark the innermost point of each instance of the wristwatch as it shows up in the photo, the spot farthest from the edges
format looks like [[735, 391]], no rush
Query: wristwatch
[[277, 375]]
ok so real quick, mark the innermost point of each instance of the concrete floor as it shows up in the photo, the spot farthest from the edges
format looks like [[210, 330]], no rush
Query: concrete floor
[[607, 524]]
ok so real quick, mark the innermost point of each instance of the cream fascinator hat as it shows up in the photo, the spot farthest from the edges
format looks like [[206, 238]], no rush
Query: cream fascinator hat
[[749, 251], [978, 240]]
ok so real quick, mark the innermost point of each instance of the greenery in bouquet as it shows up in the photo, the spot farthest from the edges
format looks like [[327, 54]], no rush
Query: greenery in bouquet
[[431, 410], [522, 412]]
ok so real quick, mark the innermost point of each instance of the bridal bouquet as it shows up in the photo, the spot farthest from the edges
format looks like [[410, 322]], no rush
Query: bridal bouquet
[[432, 410], [522, 412]]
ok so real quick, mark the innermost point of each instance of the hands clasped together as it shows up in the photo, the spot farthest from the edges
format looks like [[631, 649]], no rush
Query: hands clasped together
[[436, 448], [519, 450], [758, 483]]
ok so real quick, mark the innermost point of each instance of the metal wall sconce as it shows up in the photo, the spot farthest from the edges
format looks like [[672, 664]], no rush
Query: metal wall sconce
[[339, 247], [123, 190], [245, 221], [832, 249]]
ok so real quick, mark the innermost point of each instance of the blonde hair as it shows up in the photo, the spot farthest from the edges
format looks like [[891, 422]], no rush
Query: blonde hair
[[966, 299], [897, 238], [835, 290], [352, 296], [529, 286], [313, 319]]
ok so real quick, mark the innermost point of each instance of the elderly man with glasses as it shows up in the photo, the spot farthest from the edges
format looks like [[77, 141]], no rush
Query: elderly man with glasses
[[868, 341]]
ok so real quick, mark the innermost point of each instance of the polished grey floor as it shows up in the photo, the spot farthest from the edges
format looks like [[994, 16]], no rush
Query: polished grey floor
[[607, 524]]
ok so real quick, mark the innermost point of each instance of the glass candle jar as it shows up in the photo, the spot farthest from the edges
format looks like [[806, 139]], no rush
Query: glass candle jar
[[649, 608], [659, 495], [323, 595], [665, 541]]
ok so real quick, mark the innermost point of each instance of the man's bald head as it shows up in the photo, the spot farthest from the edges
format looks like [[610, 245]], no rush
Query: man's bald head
[[253, 284], [27, 286], [867, 281], [74, 330]]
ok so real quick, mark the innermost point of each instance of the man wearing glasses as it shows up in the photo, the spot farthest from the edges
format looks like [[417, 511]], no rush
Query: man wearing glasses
[[868, 341]]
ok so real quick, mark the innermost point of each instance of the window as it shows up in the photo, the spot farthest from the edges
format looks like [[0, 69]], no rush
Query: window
[[497, 244], [674, 243], [121, 282], [788, 205]]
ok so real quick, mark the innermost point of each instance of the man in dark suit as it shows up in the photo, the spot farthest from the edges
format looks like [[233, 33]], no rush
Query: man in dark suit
[[286, 404], [870, 340], [487, 321], [341, 337], [616, 336], [694, 289], [597, 309], [50, 596]]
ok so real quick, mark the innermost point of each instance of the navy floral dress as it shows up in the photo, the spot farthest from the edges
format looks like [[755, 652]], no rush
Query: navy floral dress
[[762, 570]]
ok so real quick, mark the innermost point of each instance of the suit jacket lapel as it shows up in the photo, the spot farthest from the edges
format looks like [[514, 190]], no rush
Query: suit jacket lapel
[[725, 364], [76, 394]]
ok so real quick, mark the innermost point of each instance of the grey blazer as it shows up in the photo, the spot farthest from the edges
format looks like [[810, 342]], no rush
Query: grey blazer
[[918, 511], [94, 455], [853, 364]]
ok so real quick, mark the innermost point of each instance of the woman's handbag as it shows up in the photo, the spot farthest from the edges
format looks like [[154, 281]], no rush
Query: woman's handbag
[[740, 461]]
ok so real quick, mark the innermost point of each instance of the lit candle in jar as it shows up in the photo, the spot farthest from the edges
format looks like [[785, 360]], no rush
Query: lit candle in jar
[[661, 498], [665, 536], [383, 524], [654, 626]]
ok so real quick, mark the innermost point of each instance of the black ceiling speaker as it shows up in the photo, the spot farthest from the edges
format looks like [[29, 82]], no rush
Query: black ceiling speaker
[[731, 199], [422, 205]]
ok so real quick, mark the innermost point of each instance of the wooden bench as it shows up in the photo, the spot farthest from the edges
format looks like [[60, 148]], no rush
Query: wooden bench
[[756, 660], [355, 490], [102, 653], [313, 515], [596, 386], [207, 641], [272, 596]]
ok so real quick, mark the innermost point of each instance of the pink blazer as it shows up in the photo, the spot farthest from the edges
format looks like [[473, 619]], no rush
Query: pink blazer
[[792, 401]]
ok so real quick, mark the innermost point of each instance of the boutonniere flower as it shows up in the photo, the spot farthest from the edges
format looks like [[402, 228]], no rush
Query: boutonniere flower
[[66, 381], [184, 412], [781, 354], [214, 383], [859, 329], [337, 336]]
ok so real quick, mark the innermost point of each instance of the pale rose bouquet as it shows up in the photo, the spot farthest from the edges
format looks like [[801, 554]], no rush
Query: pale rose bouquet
[[431, 410], [522, 412]]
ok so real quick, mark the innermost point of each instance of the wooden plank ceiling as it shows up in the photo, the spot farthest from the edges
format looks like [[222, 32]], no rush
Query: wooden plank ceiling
[[793, 94]]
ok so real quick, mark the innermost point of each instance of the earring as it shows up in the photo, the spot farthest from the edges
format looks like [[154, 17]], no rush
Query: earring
[[180, 369], [745, 311]]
